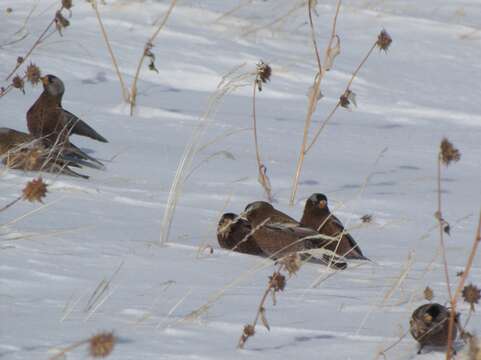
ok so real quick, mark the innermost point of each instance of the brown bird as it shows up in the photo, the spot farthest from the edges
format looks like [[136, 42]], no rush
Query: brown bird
[[233, 233], [46, 119], [22, 151], [279, 235], [317, 216], [429, 325]]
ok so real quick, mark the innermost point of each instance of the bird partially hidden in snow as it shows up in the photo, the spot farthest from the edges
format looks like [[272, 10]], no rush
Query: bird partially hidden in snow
[[234, 233], [47, 120], [429, 325], [279, 235], [22, 151], [317, 216]]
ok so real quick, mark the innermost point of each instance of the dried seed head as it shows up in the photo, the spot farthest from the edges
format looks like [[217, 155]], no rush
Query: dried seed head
[[292, 263], [19, 60], [33, 74], [60, 22], [67, 4], [35, 190], [384, 40], [428, 293], [367, 219], [448, 152], [277, 281], [347, 98], [9, 10], [18, 83], [263, 74], [101, 345], [471, 294], [249, 330]]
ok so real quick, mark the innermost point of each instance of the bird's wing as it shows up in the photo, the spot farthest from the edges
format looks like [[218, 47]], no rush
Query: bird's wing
[[79, 127], [354, 251]]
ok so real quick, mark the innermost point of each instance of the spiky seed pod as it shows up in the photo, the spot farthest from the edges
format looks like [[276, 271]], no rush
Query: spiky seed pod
[[19, 60], [429, 325], [448, 152], [18, 83], [471, 294], [67, 4], [428, 293], [347, 98], [35, 190], [101, 345], [277, 281], [384, 40], [263, 74], [60, 22], [33, 74]]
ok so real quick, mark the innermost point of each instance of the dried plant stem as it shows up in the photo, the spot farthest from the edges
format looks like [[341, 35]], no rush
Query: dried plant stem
[[125, 91], [133, 90], [313, 98], [11, 204], [260, 165], [459, 289], [64, 351], [441, 230]]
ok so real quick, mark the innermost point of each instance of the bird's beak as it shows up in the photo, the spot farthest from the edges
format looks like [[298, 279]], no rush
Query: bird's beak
[[44, 80], [322, 204]]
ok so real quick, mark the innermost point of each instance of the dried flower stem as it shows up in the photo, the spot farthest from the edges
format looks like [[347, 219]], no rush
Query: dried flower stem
[[313, 96], [69, 348], [10, 204], [459, 289], [260, 165], [441, 230], [133, 90], [125, 91]]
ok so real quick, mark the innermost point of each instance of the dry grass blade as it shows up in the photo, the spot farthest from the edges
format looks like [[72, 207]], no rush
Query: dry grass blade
[[191, 149], [145, 53], [125, 91]]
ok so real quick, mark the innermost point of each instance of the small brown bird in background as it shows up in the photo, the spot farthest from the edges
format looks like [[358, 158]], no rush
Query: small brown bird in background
[[46, 119], [278, 235], [23, 152], [429, 325], [317, 216], [233, 234]]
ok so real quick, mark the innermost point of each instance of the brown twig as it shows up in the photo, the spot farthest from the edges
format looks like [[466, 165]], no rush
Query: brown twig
[[69, 348], [125, 91], [459, 289], [10, 204], [149, 44]]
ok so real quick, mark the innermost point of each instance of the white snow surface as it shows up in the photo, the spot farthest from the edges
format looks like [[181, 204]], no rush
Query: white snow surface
[[108, 228]]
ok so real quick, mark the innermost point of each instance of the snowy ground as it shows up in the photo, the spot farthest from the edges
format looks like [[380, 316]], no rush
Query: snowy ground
[[425, 88]]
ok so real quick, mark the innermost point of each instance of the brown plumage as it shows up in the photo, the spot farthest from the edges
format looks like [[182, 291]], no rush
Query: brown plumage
[[46, 119], [429, 325], [22, 151], [233, 234], [317, 216], [278, 235]]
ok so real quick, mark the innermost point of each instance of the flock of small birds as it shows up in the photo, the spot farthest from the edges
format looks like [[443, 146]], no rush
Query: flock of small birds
[[261, 230]]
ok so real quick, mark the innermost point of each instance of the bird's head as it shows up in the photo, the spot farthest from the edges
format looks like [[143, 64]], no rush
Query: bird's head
[[317, 201], [257, 209], [53, 85]]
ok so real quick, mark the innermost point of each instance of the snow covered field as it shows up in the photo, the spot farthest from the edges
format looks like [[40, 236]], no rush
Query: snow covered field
[[108, 228]]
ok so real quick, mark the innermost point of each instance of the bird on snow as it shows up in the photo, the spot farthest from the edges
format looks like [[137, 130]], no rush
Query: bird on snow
[[278, 235], [46, 119], [233, 233], [317, 216], [429, 325], [22, 151]]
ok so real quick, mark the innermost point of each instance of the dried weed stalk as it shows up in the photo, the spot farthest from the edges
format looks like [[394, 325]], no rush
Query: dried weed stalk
[[263, 74], [347, 98], [277, 282]]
